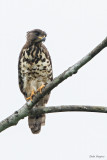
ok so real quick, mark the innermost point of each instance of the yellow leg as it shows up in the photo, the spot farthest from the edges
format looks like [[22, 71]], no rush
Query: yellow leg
[[32, 94], [40, 89]]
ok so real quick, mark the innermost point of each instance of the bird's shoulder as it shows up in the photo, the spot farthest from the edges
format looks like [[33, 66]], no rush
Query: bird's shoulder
[[26, 46], [46, 52]]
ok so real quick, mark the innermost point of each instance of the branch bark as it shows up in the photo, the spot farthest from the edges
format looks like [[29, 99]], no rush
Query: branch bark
[[16, 116], [26, 108], [67, 108]]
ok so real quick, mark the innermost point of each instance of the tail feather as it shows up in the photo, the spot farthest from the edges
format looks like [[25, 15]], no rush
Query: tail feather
[[35, 123]]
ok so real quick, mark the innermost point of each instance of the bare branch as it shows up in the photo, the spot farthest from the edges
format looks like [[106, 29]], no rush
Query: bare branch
[[16, 116], [25, 109], [67, 108]]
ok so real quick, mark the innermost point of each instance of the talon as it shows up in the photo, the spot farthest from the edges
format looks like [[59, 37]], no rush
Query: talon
[[32, 94], [40, 89]]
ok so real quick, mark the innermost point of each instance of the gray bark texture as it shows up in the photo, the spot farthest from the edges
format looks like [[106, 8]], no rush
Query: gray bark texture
[[26, 109]]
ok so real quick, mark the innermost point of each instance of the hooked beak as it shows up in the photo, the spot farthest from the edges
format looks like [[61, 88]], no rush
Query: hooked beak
[[42, 38]]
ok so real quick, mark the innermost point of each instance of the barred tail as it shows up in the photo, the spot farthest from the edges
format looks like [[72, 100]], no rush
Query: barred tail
[[35, 123]]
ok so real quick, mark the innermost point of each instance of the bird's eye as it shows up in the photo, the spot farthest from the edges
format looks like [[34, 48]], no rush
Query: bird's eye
[[37, 33]]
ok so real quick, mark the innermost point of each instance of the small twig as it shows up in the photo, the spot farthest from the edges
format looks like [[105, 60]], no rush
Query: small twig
[[24, 111]]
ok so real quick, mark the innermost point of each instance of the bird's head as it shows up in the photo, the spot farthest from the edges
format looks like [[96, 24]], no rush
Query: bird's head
[[36, 36]]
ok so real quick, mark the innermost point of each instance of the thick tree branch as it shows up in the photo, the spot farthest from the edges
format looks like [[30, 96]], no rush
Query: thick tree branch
[[25, 109]]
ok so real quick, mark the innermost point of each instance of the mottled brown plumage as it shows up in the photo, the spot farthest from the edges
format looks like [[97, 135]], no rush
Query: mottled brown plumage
[[34, 70]]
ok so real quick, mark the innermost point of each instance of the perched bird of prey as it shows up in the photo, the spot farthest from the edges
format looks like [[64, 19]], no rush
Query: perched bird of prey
[[34, 72]]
